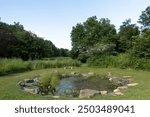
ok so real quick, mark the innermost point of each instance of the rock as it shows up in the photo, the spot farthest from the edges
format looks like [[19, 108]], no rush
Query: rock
[[91, 73], [123, 82], [33, 91], [116, 90], [103, 92], [119, 94], [87, 93], [85, 75], [29, 90], [110, 79], [56, 97], [36, 90], [73, 73], [21, 84], [122, 87], [28, 80], [114, 78], [71, 67], [132, 84], [36, 79]]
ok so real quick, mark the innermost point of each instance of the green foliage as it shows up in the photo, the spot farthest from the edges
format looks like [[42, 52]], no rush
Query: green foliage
[[55, 78], [17, 65], [126, 34], [92, 32], [145, 18], [82, 57], [16, 42], [75, 92], [121, 61], [49, 82], [102, 61], [103, 49], [44, 84], [141, 46], [13, 66]]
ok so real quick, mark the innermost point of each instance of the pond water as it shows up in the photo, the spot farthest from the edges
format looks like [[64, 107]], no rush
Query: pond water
[[68, 85]]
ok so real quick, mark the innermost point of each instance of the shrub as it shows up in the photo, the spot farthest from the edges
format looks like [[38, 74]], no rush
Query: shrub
[[125, 60], [102, 61]]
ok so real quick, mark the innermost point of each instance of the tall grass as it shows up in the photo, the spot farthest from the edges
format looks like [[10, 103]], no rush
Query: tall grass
[[17, 65], [120, 61], [41, 64], [13, 65]]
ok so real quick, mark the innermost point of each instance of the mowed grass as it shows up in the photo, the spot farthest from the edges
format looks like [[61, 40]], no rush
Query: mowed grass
[[10, 91]]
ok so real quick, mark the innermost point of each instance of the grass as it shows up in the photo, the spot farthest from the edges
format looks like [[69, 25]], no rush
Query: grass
[[8, 66], [10, 91]]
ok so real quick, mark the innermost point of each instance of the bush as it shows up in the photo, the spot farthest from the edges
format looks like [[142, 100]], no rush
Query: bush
[[125, 60], [102, 61]]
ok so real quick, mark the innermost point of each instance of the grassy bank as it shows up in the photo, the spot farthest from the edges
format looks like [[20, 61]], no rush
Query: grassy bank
[[10, 90]]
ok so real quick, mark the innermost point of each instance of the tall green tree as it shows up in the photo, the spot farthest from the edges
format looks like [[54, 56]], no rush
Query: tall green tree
[[126, 33], [86, 35], [141, 46]]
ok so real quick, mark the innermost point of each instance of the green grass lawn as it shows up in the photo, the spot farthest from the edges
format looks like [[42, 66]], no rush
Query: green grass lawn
[[10, 91]]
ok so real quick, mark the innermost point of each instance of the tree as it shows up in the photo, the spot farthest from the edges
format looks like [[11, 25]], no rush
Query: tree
[[8, 43], [86, 35], [126, 34], [141, 46], [15, 41], [144, 18]]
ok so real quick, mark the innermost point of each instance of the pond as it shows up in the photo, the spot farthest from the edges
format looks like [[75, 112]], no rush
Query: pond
[[69, 86], [75, 85]]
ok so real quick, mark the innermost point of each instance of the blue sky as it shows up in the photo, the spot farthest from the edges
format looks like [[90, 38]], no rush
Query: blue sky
[[53, 19]]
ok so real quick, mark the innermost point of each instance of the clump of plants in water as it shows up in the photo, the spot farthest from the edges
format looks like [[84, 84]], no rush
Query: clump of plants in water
[[48, 83]]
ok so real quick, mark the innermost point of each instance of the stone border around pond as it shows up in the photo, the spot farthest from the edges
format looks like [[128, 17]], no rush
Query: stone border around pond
[[124, 83]]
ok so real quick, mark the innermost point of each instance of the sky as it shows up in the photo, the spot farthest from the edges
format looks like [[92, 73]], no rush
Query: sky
[[53, 19]]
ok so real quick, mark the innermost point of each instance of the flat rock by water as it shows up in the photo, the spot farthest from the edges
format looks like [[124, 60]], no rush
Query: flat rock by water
[[87, 93]]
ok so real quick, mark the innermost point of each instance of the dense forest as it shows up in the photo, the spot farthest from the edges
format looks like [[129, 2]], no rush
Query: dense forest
[[97, 42], [16, 42]]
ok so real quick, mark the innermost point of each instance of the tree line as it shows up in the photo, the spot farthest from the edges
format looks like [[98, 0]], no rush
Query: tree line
[[99, 37], [16, 42]]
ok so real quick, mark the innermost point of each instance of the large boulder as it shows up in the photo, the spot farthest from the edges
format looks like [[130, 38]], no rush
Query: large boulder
[[87, 93], [103, 93]]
